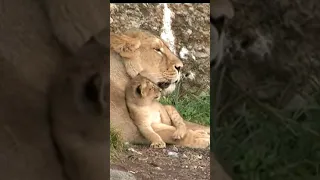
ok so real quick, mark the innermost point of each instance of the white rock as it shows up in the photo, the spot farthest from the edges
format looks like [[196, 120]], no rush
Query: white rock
[[199, 156], [201, 55], [173, 154], [183, 53], [189, 31], [133, 150]]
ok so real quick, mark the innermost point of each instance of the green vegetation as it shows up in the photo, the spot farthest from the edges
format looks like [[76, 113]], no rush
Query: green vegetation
[[192, 108]]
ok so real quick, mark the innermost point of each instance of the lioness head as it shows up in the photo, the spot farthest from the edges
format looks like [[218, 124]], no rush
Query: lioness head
[[142, 89], [145, 53]]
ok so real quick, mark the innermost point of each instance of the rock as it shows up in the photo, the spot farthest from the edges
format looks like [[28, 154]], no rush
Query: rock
[[133, 150], [175, 149], [201, 55], [173, 154], [121, 175], [183, 53], [190, 75], [164, 150], [189, 31], [199, 156]]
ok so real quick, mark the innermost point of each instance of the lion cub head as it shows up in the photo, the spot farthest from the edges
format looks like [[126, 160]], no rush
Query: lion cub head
[[142, 51], [142, 91]]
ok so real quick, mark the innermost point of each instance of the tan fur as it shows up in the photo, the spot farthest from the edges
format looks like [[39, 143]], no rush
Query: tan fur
[[142, 101], [132, 53]]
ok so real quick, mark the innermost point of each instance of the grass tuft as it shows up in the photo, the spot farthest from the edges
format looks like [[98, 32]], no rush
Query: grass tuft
[[192, 108]]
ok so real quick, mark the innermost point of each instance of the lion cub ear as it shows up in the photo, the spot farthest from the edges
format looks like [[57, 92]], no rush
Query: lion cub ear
[[124, 45], [141, 89]]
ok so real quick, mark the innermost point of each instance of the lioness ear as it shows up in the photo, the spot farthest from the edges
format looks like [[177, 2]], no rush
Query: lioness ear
[[124, 45]]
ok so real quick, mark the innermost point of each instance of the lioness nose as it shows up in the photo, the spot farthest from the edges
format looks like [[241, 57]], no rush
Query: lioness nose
[[178, 67]]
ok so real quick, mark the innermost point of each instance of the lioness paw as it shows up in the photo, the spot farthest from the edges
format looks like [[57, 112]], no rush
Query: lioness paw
[[202, 142], [158, 145], [179, 134], [198, 139]]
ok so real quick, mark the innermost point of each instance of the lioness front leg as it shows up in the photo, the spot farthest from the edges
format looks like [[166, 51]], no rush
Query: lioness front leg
[[151, 135], [177, 121]]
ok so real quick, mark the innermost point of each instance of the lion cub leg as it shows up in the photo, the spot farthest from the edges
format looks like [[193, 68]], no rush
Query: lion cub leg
[[148, 132], [177, 121], [192, 139]]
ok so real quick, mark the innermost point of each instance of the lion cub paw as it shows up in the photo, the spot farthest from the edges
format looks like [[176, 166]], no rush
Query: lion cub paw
[[179, 133], [158, 145]]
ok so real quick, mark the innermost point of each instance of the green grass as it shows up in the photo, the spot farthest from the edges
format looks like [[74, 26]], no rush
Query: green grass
[[265, 143], [192, 108]]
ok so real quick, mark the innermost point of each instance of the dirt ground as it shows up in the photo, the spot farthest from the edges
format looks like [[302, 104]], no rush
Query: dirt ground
[[172, 163]]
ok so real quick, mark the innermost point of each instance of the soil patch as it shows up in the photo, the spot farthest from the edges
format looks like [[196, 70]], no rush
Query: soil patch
[[172, 163]]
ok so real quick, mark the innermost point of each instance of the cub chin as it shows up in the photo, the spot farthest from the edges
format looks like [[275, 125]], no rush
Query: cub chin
[[142, 98]]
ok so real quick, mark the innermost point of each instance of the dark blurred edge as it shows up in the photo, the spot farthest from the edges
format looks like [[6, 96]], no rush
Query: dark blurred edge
[[217, 70], [103, 37]]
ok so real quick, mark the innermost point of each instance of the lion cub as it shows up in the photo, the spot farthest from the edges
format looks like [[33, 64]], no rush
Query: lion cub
[[142, 98]]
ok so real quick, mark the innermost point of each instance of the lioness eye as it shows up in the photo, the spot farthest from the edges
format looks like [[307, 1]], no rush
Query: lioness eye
[[158, 50]]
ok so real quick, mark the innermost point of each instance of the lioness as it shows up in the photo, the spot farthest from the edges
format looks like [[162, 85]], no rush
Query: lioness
[[131, 53], [142, 98]]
